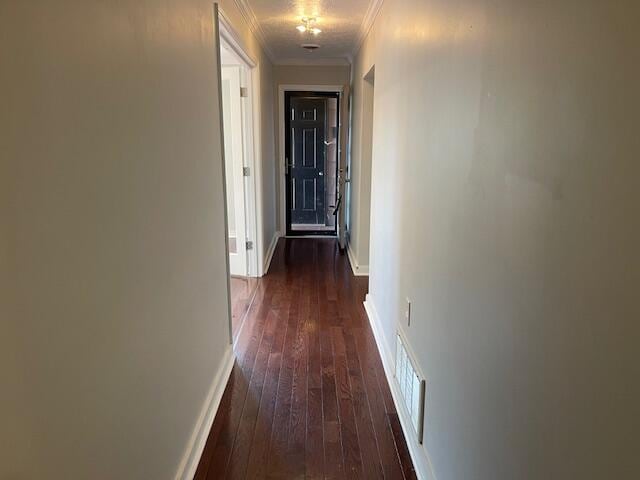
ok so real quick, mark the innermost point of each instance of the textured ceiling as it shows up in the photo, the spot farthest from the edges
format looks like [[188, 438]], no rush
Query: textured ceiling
[[340, 21]]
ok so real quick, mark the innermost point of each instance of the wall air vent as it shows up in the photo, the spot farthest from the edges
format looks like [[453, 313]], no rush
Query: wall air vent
[[411, 387], [310, 46]]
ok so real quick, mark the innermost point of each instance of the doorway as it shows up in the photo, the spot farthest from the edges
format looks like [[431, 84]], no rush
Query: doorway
[[234, 165], [237, 72], [358, 235], [311, 162]]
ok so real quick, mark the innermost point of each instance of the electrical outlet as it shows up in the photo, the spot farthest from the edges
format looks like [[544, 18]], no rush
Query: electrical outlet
[[407, 312]]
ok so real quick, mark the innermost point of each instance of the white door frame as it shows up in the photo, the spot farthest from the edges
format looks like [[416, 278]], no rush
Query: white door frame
[[250, 77], [339, 89], [234, 135]]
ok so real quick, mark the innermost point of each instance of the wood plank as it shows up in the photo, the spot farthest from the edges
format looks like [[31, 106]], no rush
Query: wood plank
[[298, 418], [277, 464], [386, 444], [242, 292], [258, 460], [329, 397], [229, 418], [314, 452], [237, 466], [333, 461], [401, 446], [348, 428], [260, 469], [372, 466]]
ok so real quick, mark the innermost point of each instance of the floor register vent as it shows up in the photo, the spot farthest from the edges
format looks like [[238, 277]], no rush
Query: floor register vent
[[411, 387]]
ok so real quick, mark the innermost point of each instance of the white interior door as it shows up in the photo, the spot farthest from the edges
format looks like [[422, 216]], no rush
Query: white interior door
[[234, 162]]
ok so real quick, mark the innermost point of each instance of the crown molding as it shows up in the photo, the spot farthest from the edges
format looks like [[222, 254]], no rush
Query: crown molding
[[252, 21], [336, 61], [233, 40], [367, 22]]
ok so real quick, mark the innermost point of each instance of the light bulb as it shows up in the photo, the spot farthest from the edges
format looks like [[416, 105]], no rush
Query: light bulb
[[301, 28]]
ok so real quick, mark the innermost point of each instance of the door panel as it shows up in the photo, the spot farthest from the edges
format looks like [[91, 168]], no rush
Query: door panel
[[306, 153], [309, 154], [234, 161], [310, 188]]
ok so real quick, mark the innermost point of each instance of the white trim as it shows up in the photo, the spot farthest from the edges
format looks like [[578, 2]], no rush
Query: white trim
[[280, 170], [256, 175], [367, 22], [195, 447], [336, 61], [310, 88], [311, 236], [218, 47], [233, 39], [252, 22], [419, 454], [347, 186], [358, 270], [269, 255], [252, 183]]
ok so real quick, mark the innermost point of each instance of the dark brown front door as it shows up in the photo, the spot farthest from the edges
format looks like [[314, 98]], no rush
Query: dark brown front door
[[306, 157]]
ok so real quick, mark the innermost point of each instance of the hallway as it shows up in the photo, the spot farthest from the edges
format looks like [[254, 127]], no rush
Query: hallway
[[176, 178], [307, 397]]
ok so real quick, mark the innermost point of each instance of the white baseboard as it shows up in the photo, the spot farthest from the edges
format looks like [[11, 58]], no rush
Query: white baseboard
[[419, 455], [269, 255], [358, 270], [193, 452]]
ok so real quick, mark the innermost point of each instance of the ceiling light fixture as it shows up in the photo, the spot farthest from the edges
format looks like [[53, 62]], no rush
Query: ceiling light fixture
[[308, 25]]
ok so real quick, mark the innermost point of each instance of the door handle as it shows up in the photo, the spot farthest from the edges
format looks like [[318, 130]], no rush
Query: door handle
[[321, 173]]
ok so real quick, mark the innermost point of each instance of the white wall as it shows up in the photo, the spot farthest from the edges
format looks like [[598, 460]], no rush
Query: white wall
[[269, 159], [113, 314], [505, 199]]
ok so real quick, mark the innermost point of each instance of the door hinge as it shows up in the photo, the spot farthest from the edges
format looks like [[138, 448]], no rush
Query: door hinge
[[249, 245], [246, 171], [244, 92]]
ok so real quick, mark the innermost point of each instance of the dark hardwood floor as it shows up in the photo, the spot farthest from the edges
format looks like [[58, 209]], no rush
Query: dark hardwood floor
[[307, 397], [242, 290]]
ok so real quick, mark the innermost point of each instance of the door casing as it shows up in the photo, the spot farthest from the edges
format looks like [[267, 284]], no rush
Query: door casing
[[250, 78], [234, 163], [339, 89]]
